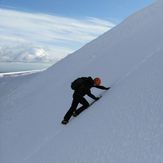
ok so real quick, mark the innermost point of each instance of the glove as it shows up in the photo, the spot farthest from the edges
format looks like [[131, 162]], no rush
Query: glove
[[108, 88], [97, 98]]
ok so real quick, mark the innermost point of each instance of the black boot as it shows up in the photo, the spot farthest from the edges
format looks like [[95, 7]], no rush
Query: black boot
[[64, 122], [74, 114]]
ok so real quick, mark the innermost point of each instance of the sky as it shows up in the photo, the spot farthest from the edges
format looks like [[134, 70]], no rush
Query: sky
[[45, 31]]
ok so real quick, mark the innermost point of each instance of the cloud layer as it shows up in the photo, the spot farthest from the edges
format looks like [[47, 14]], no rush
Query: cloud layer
[[35, 37]]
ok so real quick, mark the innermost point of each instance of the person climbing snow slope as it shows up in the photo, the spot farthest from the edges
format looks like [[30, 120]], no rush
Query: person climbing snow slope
[[82, 86]]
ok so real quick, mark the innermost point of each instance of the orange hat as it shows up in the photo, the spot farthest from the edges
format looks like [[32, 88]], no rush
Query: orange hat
[[97, 81]]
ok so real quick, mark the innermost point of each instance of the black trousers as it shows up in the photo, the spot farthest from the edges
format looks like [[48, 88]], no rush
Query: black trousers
[[76, 100]]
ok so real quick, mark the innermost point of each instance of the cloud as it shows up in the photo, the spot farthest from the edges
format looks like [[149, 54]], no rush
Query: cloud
[[35, 37]]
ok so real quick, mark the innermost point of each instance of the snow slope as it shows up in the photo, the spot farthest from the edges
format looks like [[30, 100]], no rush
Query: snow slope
[[124, 126]]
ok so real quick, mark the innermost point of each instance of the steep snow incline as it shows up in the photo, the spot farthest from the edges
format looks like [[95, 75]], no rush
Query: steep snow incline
[[124, 126]]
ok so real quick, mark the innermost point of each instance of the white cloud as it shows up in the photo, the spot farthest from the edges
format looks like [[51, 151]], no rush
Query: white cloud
[[34, 37]]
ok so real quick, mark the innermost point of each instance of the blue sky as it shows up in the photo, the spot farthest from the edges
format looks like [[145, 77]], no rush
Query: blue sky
[[45, 31], [112, 10]]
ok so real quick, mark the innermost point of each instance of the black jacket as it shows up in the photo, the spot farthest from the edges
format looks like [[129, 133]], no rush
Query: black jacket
[[85, 87]]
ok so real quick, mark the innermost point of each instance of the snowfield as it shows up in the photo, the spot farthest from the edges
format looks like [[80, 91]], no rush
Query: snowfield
[[125, 126]]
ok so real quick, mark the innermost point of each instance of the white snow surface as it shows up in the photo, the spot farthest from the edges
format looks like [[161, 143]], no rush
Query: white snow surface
[[125, 126]]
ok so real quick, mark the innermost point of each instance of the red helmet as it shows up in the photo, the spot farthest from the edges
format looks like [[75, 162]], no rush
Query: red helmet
[[97, 81]]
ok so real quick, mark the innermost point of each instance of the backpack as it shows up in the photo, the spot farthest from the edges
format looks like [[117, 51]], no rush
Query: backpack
[[77, 83]]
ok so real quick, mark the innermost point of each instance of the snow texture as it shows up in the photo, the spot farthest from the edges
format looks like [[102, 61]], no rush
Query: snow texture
[[125, 126]]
